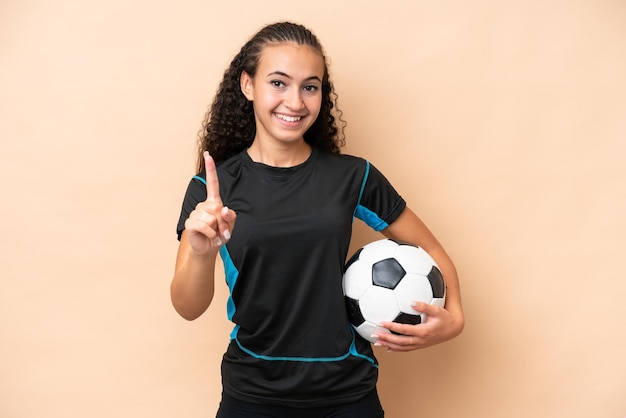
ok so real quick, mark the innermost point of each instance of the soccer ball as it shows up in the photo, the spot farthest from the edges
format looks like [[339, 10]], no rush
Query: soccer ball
[[383, 279]]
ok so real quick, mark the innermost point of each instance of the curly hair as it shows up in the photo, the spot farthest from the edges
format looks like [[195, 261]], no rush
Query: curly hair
[[229, 125]]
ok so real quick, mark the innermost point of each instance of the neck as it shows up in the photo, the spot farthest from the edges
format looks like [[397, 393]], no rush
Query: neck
[[277, 156]]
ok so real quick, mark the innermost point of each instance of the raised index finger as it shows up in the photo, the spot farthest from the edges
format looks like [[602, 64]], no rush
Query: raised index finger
[[212, 183]]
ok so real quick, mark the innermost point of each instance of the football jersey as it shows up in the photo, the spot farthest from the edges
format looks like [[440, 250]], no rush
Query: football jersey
[[292, 343]]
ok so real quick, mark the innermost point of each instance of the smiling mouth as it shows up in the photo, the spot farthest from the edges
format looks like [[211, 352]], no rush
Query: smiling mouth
[[288, 118]]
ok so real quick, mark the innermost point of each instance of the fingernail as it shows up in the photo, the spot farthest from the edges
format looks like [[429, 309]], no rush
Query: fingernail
[[217, 241], [226, 234], [225, 211]]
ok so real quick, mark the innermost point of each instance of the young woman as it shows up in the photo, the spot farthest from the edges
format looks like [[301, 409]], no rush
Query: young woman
[[276, 200]]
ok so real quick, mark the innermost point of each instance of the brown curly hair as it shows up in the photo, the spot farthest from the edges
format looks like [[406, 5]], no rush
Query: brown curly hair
[[229, 125]]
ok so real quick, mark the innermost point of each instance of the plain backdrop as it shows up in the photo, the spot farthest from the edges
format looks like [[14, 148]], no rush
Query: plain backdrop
[[502, 123]]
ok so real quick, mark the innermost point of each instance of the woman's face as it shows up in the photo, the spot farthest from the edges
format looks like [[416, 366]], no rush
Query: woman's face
[[286, 92]]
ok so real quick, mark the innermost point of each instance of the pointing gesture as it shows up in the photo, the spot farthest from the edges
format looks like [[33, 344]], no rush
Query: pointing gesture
[[212, 183], [210, 224]]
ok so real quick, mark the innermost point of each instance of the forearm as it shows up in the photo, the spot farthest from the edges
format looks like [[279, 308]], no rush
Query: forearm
[[192, 287], [453, 291], [409, 228]]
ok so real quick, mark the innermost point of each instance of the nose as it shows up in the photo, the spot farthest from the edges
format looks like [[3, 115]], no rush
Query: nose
[[294, 100]]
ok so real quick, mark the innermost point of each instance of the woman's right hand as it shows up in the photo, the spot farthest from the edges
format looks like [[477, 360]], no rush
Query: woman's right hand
[[210, 224]]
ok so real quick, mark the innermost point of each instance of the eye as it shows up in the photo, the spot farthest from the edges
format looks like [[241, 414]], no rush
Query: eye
[[311, 88], [277, 83]]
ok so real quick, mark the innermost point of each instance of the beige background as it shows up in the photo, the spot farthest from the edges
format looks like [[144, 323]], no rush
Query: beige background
[[503, 123]]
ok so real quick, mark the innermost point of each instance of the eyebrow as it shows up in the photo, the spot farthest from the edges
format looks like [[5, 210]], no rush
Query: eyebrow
[[280, 73]]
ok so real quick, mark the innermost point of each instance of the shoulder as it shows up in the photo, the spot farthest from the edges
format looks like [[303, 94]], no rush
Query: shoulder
[[231, 164], [345, 165], [344, 160], [225, 169]]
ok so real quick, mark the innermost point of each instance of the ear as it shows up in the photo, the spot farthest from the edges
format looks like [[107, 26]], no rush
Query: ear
[[247, 86]]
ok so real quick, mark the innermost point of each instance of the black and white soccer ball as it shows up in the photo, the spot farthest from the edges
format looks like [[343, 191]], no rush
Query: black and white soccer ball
[[383, 279]]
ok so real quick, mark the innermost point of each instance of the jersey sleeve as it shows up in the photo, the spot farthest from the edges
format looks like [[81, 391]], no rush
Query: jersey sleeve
[[196, 193], [379, 203]]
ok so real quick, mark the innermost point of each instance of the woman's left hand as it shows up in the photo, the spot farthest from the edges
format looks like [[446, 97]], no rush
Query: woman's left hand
[[440, 326]]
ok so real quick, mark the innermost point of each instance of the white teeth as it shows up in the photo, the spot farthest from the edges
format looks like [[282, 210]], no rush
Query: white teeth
[[288, 118]]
